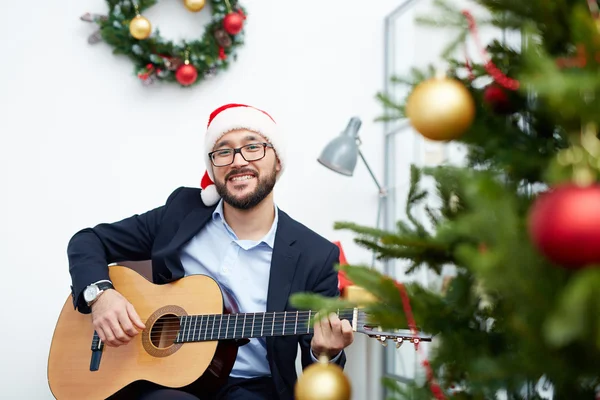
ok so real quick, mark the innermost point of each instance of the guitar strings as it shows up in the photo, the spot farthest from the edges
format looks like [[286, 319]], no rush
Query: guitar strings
[[278, 316], [208, 334], [247, 327], [190, 336], [275, 313], [278, 325], [171, 335]]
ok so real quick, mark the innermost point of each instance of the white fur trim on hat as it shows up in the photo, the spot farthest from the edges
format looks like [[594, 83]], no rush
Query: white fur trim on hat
[[209, 195], [238, 116]]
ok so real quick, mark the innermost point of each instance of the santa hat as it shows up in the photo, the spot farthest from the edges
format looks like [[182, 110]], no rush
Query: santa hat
[[226, 119]]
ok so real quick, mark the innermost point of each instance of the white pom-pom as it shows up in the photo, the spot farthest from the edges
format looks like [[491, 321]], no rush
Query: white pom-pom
[[210, 196]]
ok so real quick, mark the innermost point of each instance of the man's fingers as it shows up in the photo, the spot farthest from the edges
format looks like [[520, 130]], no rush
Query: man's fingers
[[126, 324], [347, 332], [325, 327], [110, 338], [317, 331], [105, 333], [117, 331], [135, 318], [335, 323], [100, 333]]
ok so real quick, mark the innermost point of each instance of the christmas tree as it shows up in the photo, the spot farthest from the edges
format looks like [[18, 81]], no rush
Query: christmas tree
[[519, 221]]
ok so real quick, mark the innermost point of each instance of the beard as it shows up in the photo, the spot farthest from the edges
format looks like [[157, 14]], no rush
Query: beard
[[264, 187]]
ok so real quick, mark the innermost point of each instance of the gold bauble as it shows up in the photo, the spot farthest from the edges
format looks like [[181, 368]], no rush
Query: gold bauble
[[194, 5], [358, 295], [440, 109], [140, 28], [323, 381]]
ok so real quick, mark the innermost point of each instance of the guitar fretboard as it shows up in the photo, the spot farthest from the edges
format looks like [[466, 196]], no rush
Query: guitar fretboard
[[198, 328]]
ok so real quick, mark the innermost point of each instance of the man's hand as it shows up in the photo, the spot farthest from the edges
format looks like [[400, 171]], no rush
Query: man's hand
[[115, 319], [331, 335]]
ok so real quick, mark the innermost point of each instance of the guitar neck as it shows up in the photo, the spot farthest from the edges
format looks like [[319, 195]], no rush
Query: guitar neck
[[199, 328]]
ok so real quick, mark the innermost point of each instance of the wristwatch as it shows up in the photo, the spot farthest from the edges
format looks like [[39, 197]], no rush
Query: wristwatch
[[93, 291]]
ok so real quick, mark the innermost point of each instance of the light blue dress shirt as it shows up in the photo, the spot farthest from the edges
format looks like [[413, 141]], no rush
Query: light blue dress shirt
[[242, 268]]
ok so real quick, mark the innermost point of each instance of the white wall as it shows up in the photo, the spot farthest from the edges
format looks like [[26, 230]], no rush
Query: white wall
[[84, 142]]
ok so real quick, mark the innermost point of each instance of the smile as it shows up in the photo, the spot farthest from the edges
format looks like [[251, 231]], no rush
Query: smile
[[239, 178]]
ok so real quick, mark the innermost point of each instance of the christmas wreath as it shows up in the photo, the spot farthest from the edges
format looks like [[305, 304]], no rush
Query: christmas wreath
[[159, 59]]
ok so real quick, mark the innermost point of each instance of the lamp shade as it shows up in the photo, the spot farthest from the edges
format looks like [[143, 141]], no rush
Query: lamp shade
[[341, 154]]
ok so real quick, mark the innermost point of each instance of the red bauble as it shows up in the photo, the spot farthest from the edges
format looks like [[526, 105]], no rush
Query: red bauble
[[564, 224], [498, 100], [233, 23], [186, 74]]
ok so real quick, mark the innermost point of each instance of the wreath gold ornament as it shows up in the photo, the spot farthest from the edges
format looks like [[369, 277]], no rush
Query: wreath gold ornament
[[158, 59]]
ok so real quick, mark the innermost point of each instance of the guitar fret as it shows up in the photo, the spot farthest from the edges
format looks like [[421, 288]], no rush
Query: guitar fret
[[244, 325], [262, 326], [186, 328], [200, 327], [193, 322], [205, 326], [273, 324], [296, 325], [190, 336], [220, 323], [308, 322], [235, 326], [212, 330], [252, 329], [284, 317], [190, 328], [197, 327], [182, 327], [227, 329]]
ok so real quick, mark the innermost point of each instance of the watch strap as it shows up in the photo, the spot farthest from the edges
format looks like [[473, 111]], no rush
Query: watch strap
[[104, 285]]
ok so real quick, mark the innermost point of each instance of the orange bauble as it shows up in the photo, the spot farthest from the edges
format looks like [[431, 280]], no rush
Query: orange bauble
[[440, 109]]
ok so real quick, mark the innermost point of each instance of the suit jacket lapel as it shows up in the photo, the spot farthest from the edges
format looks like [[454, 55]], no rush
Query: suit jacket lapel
[[191, 225], [283, 265]]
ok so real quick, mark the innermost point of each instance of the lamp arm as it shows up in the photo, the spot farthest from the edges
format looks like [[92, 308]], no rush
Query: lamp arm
[[381, 190]]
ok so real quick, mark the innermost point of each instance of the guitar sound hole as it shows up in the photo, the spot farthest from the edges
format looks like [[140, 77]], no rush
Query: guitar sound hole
[[164, 331]]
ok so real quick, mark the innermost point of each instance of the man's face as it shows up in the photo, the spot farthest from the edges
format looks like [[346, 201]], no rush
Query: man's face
[[244, 183]]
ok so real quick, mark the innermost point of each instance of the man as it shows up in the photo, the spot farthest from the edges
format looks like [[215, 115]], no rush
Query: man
[[231, 230]]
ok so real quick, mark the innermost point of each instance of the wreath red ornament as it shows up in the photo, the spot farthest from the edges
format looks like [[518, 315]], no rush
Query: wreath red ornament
[[158, 59]]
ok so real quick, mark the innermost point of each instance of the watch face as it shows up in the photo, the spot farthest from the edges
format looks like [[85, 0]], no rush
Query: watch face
[[90, 293]]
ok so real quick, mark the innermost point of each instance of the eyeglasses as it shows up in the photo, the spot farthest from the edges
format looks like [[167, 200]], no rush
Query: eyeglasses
[[249, 152]]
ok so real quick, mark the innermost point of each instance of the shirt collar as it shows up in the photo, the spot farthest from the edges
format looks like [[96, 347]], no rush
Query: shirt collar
[[268, 239]]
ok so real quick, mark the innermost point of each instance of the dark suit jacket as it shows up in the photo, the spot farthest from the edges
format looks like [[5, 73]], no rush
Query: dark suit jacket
[[302, 261]]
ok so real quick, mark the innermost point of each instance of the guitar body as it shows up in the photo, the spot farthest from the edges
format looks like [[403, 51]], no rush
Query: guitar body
[[151, 355]]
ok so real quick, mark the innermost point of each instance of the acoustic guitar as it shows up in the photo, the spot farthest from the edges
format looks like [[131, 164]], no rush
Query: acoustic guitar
[[190, 338]]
